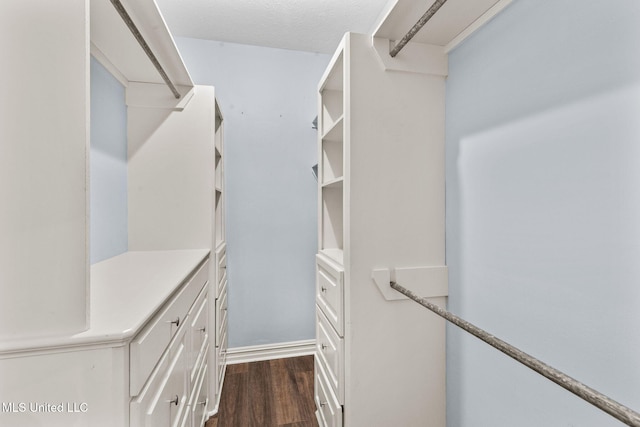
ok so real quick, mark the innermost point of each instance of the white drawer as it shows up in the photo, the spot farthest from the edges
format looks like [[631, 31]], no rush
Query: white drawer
[[221, 316], [329, 291], [163, 400], [199, 334], [330, 351], [221, 261], [147, 347], [222, 358], [200, 398], [329, 410]]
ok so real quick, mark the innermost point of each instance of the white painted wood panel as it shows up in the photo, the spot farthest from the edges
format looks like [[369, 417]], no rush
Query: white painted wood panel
[[43, 168], [68, 378], [170, 175], [389, 213]]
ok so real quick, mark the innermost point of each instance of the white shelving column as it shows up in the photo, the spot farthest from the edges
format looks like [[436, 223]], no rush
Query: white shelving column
[[175, 179], [220, 281], [381, 206], [44, 137]]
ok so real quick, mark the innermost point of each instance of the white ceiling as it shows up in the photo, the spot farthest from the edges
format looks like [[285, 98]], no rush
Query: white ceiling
[[308, 25]]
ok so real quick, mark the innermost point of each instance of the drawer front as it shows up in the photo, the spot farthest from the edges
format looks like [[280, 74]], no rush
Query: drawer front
[[201, 398], [329, 292], [199, 335], [329, 410], [222, 359], [330, 351], [221, 316], [221, 263], [163, 400], [147, 347]]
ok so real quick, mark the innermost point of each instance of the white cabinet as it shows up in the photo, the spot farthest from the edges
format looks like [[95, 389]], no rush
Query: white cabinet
[[176, 192], [221, 337], [149, 334], [381, 205], [173, 391], [136, 366]]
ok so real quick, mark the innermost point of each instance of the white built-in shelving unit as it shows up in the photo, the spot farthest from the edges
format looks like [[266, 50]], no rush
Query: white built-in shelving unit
[[380, 360], [220, 280], [381, 206]]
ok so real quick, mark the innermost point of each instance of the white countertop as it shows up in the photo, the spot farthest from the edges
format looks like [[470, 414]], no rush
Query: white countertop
[[126, 291]]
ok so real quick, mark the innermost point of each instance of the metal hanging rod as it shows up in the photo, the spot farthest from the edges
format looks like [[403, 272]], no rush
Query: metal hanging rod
[[417, 27], [143, 44], [597, 399]]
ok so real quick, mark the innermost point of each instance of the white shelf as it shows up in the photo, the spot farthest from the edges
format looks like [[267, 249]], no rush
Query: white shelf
[[114, 42], [334, 183], [333, 79], [332, 217], [334, 131], [448, 24], [332, 109], [335, 254]]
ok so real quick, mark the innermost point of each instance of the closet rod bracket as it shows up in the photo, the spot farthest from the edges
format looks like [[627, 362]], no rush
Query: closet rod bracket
[[428, 282]]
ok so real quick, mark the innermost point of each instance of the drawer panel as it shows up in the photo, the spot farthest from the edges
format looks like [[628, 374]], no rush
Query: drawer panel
[[201, 398], [222, 358], [330, 351], [147, 347], [329, 292], [221, 264], [199, 335], [163, 400], [221, 316], [329, 410]]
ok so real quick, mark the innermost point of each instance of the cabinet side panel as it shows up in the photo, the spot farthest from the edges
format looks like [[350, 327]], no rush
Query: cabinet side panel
[[395, 368], [75, 388], [171, 175], [43, 165]]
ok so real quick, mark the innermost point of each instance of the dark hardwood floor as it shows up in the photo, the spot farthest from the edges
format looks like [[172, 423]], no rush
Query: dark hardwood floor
[[273, 393]]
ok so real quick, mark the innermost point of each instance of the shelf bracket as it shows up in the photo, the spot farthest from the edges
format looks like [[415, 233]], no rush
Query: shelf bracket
[[428, 282], [419, 58]]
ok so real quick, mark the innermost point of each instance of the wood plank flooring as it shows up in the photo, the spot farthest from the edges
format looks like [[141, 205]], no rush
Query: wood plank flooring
[[273, 393]]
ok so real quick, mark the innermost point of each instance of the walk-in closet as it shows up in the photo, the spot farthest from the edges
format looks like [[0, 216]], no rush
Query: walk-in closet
[[341, 213]]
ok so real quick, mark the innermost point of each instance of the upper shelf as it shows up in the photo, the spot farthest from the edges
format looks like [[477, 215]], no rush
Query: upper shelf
[[113, 43], [455, 19]]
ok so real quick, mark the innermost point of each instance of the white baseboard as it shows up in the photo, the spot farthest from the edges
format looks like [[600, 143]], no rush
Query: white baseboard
[[256, 353]]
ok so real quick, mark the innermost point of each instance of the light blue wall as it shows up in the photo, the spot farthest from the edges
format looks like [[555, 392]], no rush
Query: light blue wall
[[543, 210], [268, 100], [108, 165]]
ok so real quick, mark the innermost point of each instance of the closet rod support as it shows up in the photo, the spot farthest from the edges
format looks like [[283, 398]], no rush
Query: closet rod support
[[143, 44], [417, 27]]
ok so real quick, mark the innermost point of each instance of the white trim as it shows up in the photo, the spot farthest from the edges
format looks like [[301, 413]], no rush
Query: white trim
[[475, 25], [418, 58], [106, 63], [256, 353]]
